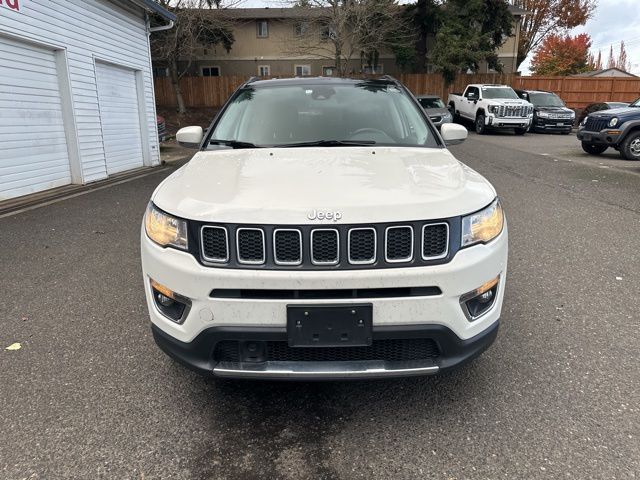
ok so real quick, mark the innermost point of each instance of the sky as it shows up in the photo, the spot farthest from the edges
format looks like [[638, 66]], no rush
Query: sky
[[614, 21]]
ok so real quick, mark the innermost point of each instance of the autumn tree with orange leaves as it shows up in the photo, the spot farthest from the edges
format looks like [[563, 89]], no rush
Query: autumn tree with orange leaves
[[562, 55], [549, 17]]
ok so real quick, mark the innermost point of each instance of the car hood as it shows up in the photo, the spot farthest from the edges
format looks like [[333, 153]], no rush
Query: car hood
[[623, 113], [434, 112], [283, 186], [508, 102], [553, 109]]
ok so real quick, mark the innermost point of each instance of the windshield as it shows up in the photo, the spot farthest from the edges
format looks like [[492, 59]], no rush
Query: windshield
[[363, 113], [499, 92], [545, 100], [634, 104], [431, 102]]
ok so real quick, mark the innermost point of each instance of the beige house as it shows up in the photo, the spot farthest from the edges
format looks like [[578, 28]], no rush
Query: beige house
[[283, 42]]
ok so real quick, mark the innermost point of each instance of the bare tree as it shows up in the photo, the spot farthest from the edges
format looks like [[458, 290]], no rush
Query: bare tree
[[198, 25], [344, 30]]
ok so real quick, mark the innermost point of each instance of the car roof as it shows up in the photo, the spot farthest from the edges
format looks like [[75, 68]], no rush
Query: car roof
[[273, 82], [536, 91]]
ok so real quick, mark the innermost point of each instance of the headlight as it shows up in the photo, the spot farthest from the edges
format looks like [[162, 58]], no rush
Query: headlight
[[613, 122], [483, 226], [543, 114], [572, 114], [164, 229], [584, 121], [493, 108]]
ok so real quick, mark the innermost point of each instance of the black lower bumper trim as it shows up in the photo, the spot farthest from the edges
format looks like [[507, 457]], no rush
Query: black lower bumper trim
[[198, 354]]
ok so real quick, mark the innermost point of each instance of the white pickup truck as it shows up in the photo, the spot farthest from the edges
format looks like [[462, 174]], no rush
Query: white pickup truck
[[492, 106]]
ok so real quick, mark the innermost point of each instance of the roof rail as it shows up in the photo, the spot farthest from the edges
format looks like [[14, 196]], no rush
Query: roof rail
[[390, 78], [251, 80]]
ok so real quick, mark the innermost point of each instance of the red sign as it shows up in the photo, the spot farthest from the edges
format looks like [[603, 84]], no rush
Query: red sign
[[12, 4]]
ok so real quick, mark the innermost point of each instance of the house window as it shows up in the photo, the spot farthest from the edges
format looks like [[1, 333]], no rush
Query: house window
[[327, 33], [159, 72], [210, 71], [373, 69], [302, 70], [264, 70], [301, 28], [262, 28], [328, 71]]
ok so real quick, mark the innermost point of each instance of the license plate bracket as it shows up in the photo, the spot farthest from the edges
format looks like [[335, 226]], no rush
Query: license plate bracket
[[330, 325]]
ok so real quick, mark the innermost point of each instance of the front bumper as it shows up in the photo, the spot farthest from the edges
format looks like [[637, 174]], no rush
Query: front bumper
[[198, 355], [610, 136], [508, 122], [552, 125], [438, 316]]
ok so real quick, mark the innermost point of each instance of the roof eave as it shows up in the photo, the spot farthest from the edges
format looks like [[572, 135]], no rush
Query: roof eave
[[153, 7]]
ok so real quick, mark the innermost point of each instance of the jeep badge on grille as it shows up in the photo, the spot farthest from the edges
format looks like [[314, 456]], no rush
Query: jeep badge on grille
[[324, 215]]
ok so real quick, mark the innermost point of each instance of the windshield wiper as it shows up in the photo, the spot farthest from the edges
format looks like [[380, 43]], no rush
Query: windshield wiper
[[233, 143], [328, 143]]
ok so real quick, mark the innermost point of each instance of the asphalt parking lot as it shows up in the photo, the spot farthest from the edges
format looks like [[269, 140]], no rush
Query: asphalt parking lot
[[90, 396]]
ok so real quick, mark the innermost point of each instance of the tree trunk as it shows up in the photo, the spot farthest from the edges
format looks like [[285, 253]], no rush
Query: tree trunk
[[421, 42], [175, 83], [339, 60]]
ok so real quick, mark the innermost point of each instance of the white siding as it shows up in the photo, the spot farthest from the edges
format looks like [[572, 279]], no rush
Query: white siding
[[33, 146], [89, 31], [118, 99]]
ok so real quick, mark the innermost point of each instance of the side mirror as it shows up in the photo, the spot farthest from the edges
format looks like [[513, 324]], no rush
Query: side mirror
[[190, 137], [453, 134]]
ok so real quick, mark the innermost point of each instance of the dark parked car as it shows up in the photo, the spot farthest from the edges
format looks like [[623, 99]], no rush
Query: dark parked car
[[162, 128], [435, 108], [596, 107], [550, 114], [618, 128]]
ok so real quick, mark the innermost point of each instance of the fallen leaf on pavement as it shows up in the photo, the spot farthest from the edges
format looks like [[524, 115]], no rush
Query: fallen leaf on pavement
[[14, 346]]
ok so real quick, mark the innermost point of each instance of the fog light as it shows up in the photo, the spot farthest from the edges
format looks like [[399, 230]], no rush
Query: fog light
[[170, 304], [479, 301]]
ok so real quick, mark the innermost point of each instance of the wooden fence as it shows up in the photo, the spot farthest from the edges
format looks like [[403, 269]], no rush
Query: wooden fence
[[577, 92]]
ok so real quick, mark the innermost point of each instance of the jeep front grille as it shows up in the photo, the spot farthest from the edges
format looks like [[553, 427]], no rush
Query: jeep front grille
[[327, 247], [595, 124]]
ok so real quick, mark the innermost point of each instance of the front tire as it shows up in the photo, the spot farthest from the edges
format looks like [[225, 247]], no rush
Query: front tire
[[593, 149], [520, 131], [481, 127], [630, 147]]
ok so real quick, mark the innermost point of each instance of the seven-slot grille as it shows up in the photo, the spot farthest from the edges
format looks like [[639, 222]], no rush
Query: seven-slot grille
[[595, 124], [415, 243]]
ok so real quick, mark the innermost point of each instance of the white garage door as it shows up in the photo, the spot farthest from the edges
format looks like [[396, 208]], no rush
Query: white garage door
[[118, 98], [33, 147]]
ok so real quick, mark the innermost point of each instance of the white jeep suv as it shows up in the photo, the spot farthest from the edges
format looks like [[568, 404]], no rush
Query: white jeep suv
[[323, 230]]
